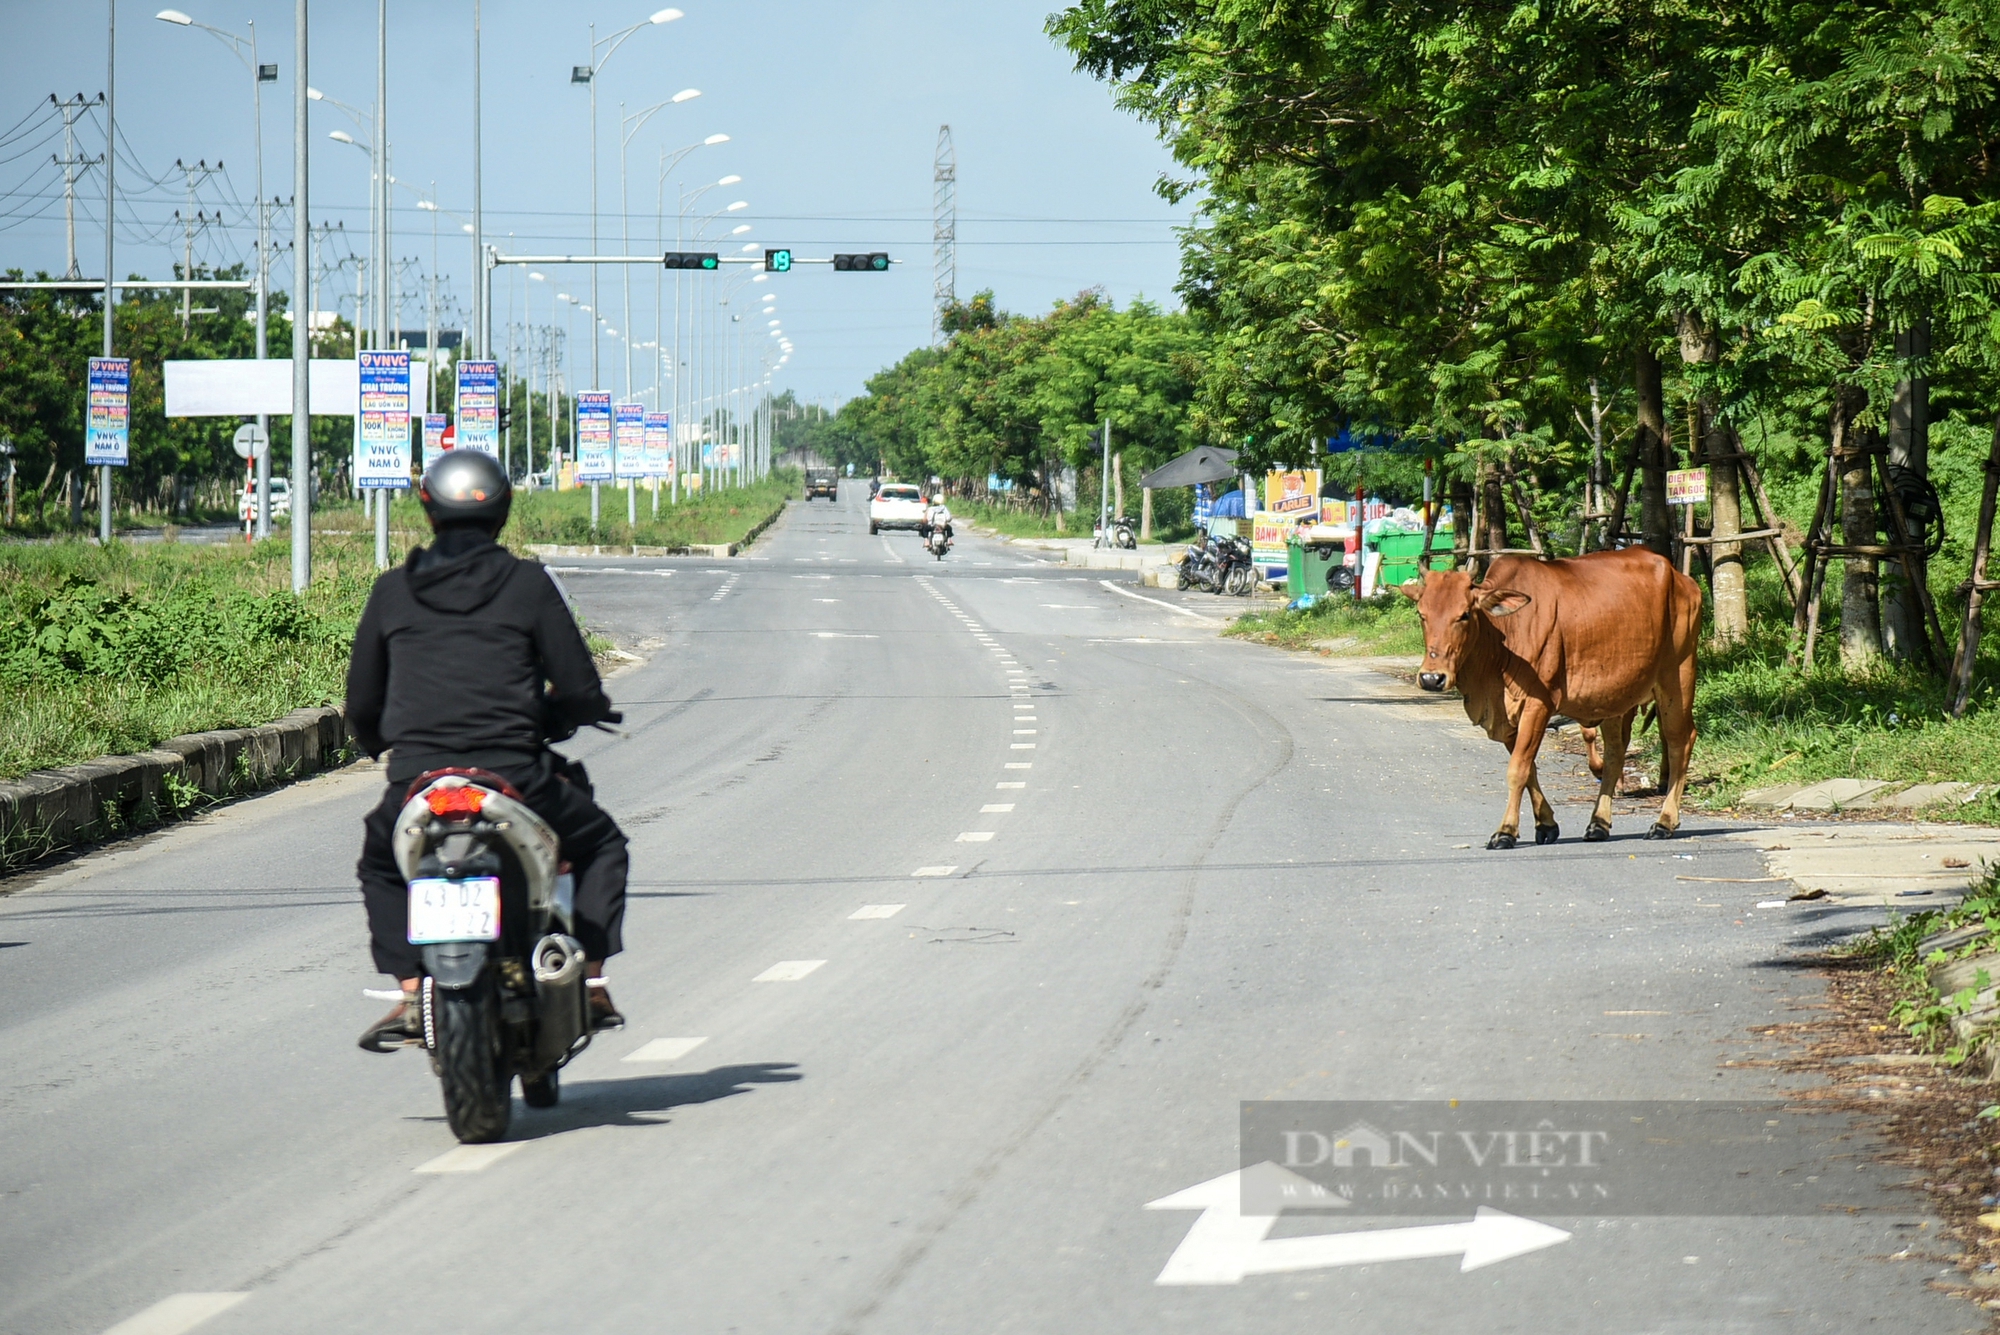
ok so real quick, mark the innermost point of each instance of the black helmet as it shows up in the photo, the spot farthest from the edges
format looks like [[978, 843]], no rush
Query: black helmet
[[466, 487]]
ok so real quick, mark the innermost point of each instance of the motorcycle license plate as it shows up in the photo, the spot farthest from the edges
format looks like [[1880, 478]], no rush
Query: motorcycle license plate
[[445, 910]]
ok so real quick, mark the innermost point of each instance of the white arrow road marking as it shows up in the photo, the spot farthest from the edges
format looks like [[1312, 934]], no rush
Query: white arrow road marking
[[1225, 1244]]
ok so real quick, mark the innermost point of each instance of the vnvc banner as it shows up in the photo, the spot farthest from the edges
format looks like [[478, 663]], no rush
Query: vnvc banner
[[434, 424], [479, 407], [659, 445], [107, 433], [629, 427], [593, 437], [382, 427]]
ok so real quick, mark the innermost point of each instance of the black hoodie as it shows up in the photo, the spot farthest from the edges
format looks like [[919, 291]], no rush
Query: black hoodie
[[451, 656]]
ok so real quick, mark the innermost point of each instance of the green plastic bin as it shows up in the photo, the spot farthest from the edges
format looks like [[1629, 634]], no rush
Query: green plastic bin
[[1400, 552], [1309, 567]]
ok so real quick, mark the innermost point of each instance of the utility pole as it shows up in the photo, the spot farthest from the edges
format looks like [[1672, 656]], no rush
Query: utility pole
[[191, 222], [944, 231], [110, 232], [302, 497], [384, 281], [69, 162]]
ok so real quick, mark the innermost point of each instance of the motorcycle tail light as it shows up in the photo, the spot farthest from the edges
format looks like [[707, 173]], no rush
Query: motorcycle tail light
[[456, 802]]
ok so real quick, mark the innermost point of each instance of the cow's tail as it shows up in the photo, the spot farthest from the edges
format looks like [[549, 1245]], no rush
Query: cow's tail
[[1652, 717]]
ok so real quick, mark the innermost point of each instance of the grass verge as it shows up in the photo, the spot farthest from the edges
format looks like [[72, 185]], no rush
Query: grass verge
[[1339, 626]]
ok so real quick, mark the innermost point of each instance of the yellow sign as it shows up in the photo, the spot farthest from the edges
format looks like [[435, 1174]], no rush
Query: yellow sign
[[566, 476], [693, 480], [1294, 493], [1687, 486]]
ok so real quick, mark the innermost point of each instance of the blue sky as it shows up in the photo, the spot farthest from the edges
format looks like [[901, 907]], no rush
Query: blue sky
[[832, 111]]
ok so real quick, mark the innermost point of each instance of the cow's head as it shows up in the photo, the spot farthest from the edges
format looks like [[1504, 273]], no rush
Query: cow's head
[[1450, 604]]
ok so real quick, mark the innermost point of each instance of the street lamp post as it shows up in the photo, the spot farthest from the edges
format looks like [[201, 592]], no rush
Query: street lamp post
[[588, 74], [245, 50], [629, 127]]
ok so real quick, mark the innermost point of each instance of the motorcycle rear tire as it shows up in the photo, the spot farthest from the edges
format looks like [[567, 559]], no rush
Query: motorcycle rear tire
[[541, 1091], [1241, 581], [471, 1067], [1181, 581]]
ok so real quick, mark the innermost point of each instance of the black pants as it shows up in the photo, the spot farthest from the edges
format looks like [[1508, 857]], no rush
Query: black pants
[[592, 843]]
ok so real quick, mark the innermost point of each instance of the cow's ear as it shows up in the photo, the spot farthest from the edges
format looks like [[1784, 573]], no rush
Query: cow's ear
[[1501, 602], [1412, 589]]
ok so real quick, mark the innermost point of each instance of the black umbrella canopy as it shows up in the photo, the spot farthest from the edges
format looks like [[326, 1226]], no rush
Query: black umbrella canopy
[[1207, 464]]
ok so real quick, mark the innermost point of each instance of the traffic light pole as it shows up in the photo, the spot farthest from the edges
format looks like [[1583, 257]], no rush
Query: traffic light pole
[[757, 260]]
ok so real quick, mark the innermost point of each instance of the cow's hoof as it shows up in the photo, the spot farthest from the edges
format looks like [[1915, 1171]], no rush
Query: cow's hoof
[[1501, 840], [1659, 832], [1547, 834], [1595, 833]]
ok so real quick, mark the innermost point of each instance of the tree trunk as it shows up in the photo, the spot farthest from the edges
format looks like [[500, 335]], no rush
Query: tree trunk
[[1860, 617], [1719, 445], [1145, 514], [1492, 509], [1909, 453], [1958, 691], [1656, 524]]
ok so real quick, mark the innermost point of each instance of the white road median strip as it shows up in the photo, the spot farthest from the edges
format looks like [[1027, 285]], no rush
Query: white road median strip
[[934, 871], [787, 971], [469, 1158], [664, 1050], [1179, 611], [181, 1312], [877, 911], [975, 836]]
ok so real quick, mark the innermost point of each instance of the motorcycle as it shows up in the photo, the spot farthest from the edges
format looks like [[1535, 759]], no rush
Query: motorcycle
[[1119, 534], [1236, 572], [1197, 566], [937, 539], [503, 992]]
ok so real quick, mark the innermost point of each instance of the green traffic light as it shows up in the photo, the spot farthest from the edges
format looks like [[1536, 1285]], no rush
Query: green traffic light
[[709, 261]]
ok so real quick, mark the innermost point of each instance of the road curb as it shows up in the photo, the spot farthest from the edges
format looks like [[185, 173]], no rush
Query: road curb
[[49, 810], [713, 550]]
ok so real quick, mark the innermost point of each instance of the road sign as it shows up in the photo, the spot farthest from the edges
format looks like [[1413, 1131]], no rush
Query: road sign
[[251, 441], [876, 261], [382, 428], [1225, 1245], [1687, 486], [659, 445], [107, 433], [479, 407], [691, 259], [777, 261], [628, 436], [593, 437], [449, 440]]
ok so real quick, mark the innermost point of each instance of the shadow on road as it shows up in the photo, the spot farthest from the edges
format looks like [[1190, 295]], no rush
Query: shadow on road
[[640, 1100]]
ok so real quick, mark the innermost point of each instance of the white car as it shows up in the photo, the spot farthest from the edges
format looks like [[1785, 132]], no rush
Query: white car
[[897, 505], [281, 500]]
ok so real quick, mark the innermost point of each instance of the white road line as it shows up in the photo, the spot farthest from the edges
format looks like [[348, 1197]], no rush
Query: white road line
[[664, 1050], [469, 1158], [787, 971], [181, 1312], [1026, 718], [1023, 746], [1019, 764], [975, 837], [934, 871], [1011, 783], [877, 911], [996, 806], [1127, 593], [1025, 732], [842, 635]]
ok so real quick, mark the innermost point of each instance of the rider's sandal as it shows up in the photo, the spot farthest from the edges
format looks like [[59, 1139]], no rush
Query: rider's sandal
[[603, 1014], [400, 1028]]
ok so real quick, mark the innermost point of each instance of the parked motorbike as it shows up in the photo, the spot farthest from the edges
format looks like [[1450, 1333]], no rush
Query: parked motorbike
[[1235, 569], [1196, 566], [491, 903], [1117, 534]]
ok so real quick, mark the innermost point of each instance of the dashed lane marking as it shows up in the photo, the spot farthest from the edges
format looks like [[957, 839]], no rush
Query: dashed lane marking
[[1019, 764], [469, 1158], [787, 971], [1010, 783], [664, 1050], [1024, 746], [178, 1313], [934, 871], [877, 911], [996, 806], [975, 837]]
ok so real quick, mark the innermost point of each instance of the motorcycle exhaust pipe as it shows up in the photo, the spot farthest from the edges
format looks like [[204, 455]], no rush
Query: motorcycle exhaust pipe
[[558, 961]]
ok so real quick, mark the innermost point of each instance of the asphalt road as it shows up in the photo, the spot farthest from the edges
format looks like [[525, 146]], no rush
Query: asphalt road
[[1125, 875]]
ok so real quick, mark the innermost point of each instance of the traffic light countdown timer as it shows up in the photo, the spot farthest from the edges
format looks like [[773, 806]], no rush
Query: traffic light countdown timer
[[777, 261]]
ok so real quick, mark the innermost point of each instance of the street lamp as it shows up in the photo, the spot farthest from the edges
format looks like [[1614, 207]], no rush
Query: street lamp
[[588, 74], [245, 50], [629, 127]]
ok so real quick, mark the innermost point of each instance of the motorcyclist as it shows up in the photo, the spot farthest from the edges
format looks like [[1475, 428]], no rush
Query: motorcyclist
[[936, 513], [469, 657]]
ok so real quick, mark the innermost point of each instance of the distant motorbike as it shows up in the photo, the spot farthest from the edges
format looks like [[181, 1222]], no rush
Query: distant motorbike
[[937, 539], [491, 903], [1117, 534], [1236, 570]]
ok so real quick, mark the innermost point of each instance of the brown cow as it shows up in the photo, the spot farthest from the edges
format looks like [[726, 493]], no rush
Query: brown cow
[[1594, 637]]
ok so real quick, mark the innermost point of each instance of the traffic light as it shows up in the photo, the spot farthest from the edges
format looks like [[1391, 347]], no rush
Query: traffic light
[[690, 259], [777, 261], [873, 262], [504, 417]]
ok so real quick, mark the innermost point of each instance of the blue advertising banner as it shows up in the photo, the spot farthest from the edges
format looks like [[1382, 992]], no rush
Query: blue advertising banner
[[382, 427], [434, 424], [628, 424], [593, 437], [659, 445], [479, 407], [107, 432]]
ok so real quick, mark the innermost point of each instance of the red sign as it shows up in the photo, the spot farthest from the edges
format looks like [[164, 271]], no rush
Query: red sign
[[449, 440]]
